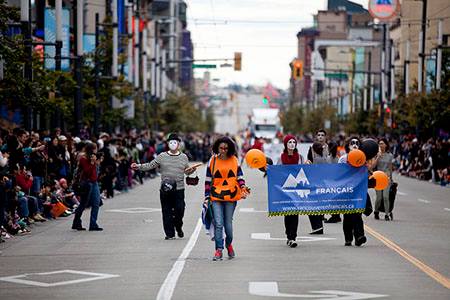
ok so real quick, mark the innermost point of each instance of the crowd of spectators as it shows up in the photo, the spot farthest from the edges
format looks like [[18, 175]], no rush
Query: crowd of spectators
[[37, 168], [426, 160]]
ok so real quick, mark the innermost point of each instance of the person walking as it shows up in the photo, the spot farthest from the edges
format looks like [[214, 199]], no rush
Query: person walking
[[88, 165], [224, 186], [383, 162], [353, 224], [318, 154], [290, 156], [173, 166]]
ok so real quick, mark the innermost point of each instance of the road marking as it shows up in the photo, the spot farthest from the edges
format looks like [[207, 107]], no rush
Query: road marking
[[135, 210], [402, 194], [93, 276], [447, 209], [423, 200], [168, 287], [266, 236], [270, 289], [426, 269], [251, 210]]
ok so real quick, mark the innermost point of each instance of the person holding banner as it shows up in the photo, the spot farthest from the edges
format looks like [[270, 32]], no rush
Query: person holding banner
[[224, 186], [290, 156], [318, 154], [353, 224]]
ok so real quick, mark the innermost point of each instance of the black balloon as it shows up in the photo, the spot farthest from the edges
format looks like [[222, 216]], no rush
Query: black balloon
[[369, 147]]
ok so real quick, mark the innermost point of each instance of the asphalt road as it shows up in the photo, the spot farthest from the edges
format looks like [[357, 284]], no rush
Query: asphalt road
[[408, 258]]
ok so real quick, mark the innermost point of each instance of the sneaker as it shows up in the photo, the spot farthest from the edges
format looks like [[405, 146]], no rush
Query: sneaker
[[291, 243], [79, 228], [180, 233], [169, 238], [376, 215], [317, 231], [218, 255], [96, 229], [230, 250], [348, 243], [361, 240]]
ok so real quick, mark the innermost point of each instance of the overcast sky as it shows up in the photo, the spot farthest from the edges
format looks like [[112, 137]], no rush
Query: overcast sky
[[263, 30]]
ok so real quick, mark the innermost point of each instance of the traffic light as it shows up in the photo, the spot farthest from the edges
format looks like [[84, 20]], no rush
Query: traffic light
[[297, 69], [237, 61], [266, 99]]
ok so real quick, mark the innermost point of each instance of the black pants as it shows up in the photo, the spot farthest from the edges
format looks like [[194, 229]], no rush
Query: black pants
[[291, 225], [353, 226], [316, 222], [172, 206]]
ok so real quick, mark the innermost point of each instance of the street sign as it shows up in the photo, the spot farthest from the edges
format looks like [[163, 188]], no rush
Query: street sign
[[384, 9], [196, 66]]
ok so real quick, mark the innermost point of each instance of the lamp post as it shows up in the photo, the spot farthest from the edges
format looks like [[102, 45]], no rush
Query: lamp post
[[28, 67]]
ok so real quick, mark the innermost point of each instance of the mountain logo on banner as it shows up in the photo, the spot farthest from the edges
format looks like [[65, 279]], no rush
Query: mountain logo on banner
[[292, 184]]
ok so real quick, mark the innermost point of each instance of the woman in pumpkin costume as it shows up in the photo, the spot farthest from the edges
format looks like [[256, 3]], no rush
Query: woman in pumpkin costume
[[224, 186]]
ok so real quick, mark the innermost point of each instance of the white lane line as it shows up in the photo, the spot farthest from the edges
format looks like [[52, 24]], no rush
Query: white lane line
[[402, 194], [447, 209], [168, 287], [423, 200]]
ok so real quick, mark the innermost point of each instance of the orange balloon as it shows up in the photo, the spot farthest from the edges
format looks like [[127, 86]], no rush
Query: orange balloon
[[356, 158], [382, 180], [255, 159]]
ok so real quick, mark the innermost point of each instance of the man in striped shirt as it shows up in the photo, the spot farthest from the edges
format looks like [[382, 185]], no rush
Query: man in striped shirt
[[173, 165]]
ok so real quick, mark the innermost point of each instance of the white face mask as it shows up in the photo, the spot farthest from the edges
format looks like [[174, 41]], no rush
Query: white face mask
[[173, 145], [291, 144]]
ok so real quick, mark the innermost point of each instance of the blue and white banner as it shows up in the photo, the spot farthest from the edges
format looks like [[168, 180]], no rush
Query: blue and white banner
[[50, 36], [316, 189]]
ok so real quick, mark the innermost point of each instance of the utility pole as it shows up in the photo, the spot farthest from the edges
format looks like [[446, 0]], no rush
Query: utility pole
[[136, 46], [439, 56], [78, 98], [422, 40], [144, 74], [58, 47], [130, 41], [97, 75], [369, 80], [406, 67], [115, 41], [25, 16], [383, 81]]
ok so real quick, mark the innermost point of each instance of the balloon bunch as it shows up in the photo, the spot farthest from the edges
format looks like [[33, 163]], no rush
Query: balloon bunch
[[358, 157]]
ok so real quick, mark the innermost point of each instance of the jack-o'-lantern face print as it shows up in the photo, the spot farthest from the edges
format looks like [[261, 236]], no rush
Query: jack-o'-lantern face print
[[225, 185]]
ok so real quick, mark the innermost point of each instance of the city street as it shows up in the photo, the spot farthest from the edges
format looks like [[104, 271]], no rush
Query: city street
[[407, 258]]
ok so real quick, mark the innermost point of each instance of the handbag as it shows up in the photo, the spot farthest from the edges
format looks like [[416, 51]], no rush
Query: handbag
[[168, 185], [58, 209], [192, 180]]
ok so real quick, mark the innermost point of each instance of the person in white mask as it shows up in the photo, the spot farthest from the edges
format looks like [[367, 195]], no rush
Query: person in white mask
[[173, 166]]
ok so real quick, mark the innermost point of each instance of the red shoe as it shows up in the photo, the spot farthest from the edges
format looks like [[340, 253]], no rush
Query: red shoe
[[218, 255], [231, 253]]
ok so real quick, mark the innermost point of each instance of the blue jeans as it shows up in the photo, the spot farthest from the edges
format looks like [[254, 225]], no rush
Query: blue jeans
[[91, 196], [37, 184], [94, 199], [223, 217], [23, 207]]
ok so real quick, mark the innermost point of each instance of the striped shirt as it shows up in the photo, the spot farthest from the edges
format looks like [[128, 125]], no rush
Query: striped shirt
[[171, 166]]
